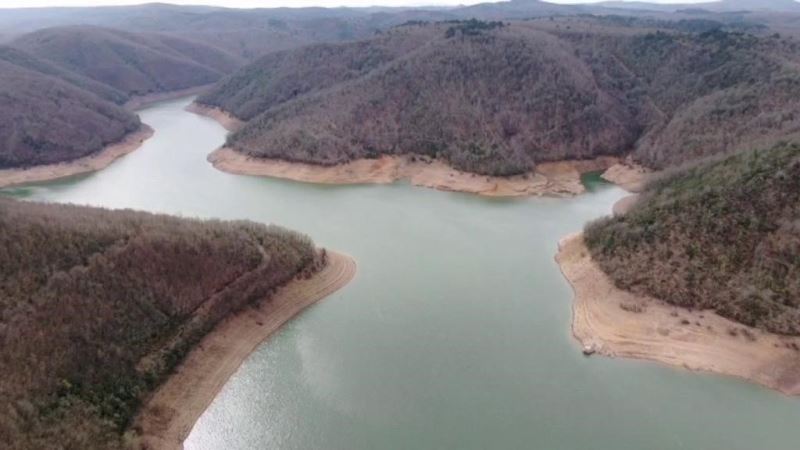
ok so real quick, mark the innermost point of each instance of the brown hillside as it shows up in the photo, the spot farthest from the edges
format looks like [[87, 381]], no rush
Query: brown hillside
[[497, 98], [135, 64], [97, 306], [45, 120], [724, 236]]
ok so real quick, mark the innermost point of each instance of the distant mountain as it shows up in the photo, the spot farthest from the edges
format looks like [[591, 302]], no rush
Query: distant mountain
[[49, 116], [714, 6], [245, 33], [496, 98], [133, 63], [251, 33]]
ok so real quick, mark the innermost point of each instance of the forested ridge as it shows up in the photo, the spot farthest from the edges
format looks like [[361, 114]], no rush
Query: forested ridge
[[723, 235], [48, 117], [97, 307], [498, 97], [63, 89], [132, 63]]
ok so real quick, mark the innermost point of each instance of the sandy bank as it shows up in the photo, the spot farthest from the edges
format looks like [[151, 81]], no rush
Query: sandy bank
[[556, 179], [224, 118], [629, 176], [617, 323], [142, 101], [169, 415], [91, 163]]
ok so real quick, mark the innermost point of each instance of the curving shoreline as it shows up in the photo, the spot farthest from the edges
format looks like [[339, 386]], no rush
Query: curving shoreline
[[552, 179], [91, 163], [224, 118], [167, 418], [617, 323], [558, 179], [143, 101]]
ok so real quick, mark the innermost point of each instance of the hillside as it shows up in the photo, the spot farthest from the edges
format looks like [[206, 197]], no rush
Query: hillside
[[28, 61], [282, 76], [45, 119], [496, 98], [722, 235], [489, 99], [97, 307], [133, 63]]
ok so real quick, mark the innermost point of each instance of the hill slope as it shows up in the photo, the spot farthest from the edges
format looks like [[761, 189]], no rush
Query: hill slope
[[28, 61], [722, 235], [97, 306], [496, 99], [44, 119], [135, 64], [489, 99]]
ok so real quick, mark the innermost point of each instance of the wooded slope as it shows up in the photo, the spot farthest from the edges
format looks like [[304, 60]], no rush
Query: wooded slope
[[97, 306], [496, 98], [133, 63], [46, 115], [722, 235]]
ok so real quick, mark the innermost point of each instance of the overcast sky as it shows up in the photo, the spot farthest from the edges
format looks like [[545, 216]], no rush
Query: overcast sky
[[274, 3]]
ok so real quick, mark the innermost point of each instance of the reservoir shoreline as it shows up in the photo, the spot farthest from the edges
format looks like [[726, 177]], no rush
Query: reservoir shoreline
[[168, 416], [612, 322], [224, 118], [143, 101], [555, 179], [103, 158], [86, 164], [489, 318], [559, 179]]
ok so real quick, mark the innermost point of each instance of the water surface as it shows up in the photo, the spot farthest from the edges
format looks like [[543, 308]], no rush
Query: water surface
[[453, 335]]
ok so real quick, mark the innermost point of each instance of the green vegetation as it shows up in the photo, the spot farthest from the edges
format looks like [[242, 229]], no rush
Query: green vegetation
[[472, 27], [97, 307], [722, 235], [501, 97]]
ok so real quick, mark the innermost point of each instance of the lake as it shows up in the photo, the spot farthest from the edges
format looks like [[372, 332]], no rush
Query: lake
[[455, 333]]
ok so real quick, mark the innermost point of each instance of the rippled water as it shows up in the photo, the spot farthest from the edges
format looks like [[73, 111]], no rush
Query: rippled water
[[454, 334]]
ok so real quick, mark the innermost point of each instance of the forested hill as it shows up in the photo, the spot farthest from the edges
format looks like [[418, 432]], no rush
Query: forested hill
[[135, 64], [498, 97], [97, 307], [47, 115], [722, 236], [62, 88]]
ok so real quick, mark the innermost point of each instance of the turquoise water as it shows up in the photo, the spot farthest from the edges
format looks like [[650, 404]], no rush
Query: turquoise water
[[453, 335]]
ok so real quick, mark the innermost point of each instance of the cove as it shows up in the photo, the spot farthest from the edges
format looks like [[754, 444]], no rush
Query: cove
[[453, 335]]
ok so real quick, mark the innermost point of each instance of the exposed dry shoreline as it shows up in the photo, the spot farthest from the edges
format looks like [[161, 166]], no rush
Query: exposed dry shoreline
[[552, 179], [227, 120], [555, 179], [91, 163], [617, 323], [168, 416], [627, 175], [103, 158]]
